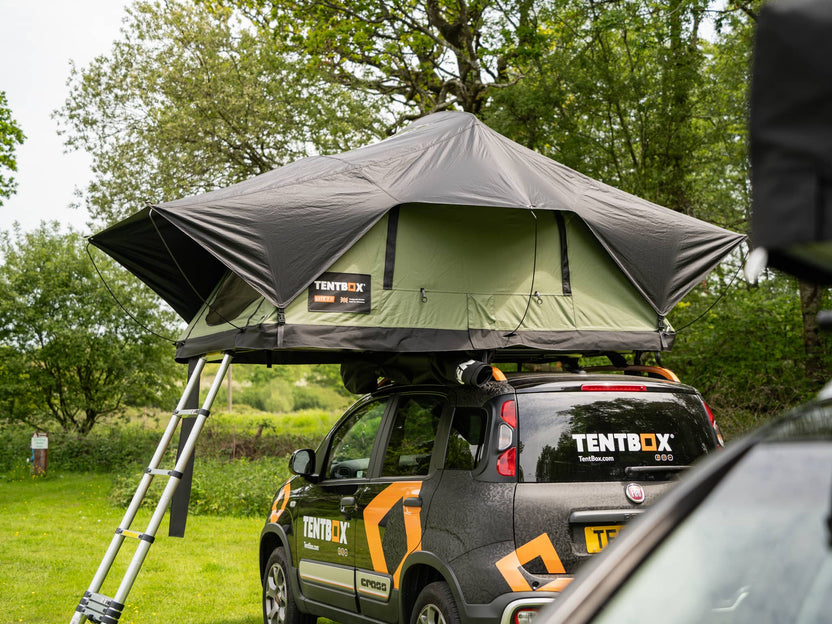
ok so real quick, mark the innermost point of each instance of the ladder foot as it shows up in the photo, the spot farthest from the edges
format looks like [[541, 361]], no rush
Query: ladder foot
[[99, 609]]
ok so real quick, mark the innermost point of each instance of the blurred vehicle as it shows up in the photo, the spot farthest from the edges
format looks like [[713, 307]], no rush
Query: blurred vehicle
[[745, 537]]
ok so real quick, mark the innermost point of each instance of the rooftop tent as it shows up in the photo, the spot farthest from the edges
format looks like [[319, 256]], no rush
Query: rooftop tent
[[451, 278], [791, 137], [444, 237]]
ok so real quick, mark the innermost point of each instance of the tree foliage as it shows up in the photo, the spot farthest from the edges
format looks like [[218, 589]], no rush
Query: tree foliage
[[190, 100], [425, 55], [746, 354], [10, 137], [71, 355], [615, 94]]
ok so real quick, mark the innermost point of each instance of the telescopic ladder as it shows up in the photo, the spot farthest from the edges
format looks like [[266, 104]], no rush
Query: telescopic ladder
[[96, 607]]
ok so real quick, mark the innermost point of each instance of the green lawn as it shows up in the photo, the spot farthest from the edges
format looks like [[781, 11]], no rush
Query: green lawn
[[54, 532]]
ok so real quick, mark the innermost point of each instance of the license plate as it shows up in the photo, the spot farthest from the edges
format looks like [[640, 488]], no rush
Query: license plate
[[597, 537]]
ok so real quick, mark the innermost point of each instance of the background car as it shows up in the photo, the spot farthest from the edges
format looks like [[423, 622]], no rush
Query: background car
[[745, 537], [472, 503]]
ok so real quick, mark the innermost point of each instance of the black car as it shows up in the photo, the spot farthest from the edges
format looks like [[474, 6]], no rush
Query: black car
[[745, 537], [463, 503]]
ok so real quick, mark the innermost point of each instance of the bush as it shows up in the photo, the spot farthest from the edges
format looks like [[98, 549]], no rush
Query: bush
[[227, 488], [275, 395], [746, 355], [318, 397], [114, 447], [14, 446], [241, 459], [106, 449], [235, 436]]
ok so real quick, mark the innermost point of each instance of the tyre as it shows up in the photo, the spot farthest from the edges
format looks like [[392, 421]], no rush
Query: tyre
[[435, 605], [279, 605]]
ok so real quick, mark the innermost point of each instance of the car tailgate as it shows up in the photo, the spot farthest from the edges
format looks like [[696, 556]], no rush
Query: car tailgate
[[577, 518]]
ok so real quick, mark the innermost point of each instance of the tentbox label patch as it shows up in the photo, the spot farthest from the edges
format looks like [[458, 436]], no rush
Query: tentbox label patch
[[340, 292]]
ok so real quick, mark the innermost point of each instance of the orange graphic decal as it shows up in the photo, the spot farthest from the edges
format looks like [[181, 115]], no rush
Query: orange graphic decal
[[541, 546], [375, 512], [284, 496]]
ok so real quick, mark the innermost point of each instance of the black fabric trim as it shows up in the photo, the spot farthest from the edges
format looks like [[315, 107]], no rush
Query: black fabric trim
[[390, 250], [178, 516], [319, 344], [566, 285]]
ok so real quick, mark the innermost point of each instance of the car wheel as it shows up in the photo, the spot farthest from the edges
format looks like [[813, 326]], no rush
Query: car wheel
[[435, 605], [279, 605]]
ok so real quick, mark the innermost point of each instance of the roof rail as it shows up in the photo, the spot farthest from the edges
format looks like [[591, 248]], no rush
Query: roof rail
[[656, 371]]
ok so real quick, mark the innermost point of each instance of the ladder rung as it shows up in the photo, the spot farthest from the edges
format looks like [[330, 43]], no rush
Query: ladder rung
[[175, 474], [107, 610], [136, 535], [192, 412]]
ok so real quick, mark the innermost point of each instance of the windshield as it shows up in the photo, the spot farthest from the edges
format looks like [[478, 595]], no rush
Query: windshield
[[756, 550], [609, 436]]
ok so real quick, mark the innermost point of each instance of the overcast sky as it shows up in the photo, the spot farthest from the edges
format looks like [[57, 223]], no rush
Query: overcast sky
[[37, 40]]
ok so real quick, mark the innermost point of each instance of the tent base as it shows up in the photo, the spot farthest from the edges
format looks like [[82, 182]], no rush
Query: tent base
[[275, 344]]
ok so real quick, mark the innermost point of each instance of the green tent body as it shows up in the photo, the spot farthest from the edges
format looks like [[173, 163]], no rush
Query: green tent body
[[456, 279], [446, 237]]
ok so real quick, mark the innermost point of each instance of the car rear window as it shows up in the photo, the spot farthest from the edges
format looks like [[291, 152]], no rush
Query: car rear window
[[609, 436]]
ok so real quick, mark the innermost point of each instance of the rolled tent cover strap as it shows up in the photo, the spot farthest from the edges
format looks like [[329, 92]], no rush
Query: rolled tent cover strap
[[444, 237]]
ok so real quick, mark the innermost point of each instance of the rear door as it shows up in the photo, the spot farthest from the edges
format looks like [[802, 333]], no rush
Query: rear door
[[588, 462], [393, 504]]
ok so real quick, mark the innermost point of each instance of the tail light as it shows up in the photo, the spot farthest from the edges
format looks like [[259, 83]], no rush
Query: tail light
[[613, 388], [507, 461], [509, 413], [715, 426]]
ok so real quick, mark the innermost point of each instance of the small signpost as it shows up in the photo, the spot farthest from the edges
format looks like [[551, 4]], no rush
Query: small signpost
[[40, 453]]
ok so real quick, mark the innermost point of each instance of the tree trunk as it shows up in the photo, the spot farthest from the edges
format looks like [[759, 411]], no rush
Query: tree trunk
[[810, 301]]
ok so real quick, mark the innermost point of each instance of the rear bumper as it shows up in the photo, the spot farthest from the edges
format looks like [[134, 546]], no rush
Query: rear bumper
[[503, 608]]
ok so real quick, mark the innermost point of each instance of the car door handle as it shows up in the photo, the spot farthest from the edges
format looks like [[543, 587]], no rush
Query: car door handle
[[412, 501], [347, 502]]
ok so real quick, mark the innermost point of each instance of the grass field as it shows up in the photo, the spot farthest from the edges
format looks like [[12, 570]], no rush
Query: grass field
[[54, 532]]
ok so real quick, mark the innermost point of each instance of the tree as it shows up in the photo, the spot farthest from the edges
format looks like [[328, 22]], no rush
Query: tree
[[425, 55], [71, 354], [726, 92], [613, 94], [190, 100], [10, 136], [745, 354]]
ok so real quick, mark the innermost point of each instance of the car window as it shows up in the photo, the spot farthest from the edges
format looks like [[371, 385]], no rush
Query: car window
[[603, 436], [352, 443], [413, 435], [756, 550], [466, 439]]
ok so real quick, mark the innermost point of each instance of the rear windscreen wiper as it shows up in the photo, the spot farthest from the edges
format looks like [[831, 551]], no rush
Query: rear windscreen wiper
[[636, 470]]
